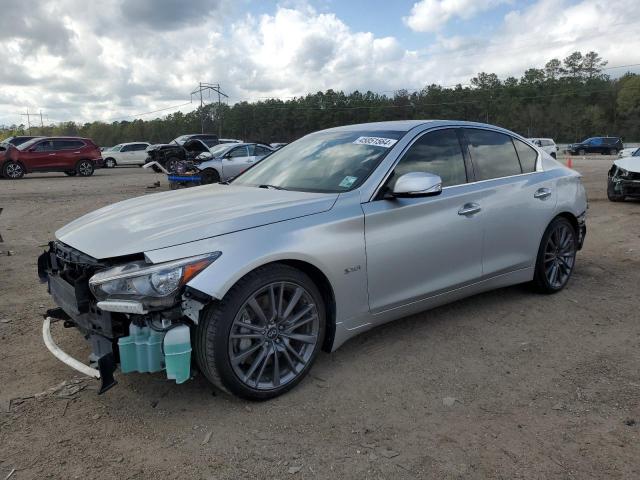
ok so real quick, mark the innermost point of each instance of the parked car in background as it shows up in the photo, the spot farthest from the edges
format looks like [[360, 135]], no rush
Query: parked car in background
[[168, 155], [224, 162], [19, 139], [344, 230], [546, 144], [208, 139], [627, 152], [623, 179], [278, 145], [229, 140], [132, 153], [602, 145], [71, 155]]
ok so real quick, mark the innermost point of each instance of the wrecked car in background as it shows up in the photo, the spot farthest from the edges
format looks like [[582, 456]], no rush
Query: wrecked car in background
[[342, 230], [623, 179], [168, 155]]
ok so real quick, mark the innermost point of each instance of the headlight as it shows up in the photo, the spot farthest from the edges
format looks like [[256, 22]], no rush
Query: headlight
[[622, 172], [142, 281]]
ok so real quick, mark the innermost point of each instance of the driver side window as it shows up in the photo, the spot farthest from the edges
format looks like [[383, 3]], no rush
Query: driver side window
[[44, 146], [436, 152], [238, 152]]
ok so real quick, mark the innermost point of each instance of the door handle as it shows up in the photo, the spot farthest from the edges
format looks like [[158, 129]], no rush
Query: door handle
[[469, 209], [51, 154], [542, 193]]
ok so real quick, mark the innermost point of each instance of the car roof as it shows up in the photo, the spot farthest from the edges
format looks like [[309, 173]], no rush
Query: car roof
[[406, 125], [131, 143]]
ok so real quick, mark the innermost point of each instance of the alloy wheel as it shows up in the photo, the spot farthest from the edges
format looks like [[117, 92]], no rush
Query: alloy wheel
[[559, 256], [14, 170], [273, 336], [110, 163], [85, 169]]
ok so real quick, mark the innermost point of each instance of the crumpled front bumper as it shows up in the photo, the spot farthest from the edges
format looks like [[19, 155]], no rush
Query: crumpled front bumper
[[61, 355]]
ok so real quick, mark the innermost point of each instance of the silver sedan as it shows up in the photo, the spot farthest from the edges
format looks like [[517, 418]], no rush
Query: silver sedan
[[334, 234]]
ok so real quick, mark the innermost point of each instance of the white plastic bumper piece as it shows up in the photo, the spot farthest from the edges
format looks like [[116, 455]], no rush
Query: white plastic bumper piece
[[62, 356]]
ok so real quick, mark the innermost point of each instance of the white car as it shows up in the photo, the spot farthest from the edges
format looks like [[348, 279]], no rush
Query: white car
[[546, 144], [133, 153], [627, 152]]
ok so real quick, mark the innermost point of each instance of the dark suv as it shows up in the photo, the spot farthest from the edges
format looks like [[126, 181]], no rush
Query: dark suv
[[71, 155], [602, 145]]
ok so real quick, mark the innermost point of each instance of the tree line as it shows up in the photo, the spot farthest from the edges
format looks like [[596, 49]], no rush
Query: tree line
[[567, 100]]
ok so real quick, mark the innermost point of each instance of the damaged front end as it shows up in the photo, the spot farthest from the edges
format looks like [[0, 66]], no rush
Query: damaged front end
[[623, 182], [133, 313]]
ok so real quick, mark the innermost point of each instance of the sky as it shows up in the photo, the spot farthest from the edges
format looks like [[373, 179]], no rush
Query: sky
[[108, 60]]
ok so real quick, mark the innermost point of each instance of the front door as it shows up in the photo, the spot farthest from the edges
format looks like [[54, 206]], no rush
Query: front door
[[41, 156], [422, 246], [234, 162]]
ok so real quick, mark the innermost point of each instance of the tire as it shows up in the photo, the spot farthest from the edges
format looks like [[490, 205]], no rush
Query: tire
[[171, 164], [582, 152], [556, 256], [110, 163], [611, 193], [553, 154], [209, 175], [263, 345], [85, 168], [12, 170], [71, 173]]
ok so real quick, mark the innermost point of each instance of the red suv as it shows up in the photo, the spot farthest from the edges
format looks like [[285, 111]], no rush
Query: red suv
[[71, 155]]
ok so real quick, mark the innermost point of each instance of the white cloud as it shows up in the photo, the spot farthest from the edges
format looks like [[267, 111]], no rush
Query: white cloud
[[100, 66], [433, 15]]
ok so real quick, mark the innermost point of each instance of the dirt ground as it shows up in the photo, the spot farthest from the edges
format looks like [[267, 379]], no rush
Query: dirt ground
[[508, 384]]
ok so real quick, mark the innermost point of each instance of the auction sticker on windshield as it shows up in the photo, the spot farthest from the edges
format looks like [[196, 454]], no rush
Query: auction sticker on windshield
[[376, 141], [348, 181]]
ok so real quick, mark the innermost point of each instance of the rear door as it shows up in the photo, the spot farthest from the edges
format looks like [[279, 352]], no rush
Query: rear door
[[517, 200], [68, 153], [422, 246]]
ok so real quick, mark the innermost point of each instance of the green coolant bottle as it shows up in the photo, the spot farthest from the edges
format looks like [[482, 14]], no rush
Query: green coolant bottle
[[177, 353]]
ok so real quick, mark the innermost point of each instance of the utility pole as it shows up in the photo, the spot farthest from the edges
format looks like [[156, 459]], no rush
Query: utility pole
[[211, 87], [41, 123], [28, 120]]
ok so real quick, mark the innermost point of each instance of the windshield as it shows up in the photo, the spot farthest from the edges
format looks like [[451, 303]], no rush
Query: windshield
[[218, 149], [27, 144], [334, 161]]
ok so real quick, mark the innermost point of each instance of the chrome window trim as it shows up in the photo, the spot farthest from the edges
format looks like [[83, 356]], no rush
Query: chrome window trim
[[428, 129]]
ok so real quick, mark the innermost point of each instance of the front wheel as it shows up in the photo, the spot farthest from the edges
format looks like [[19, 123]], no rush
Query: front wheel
[[261, 339], [12, 170], [209, 175], [556, 256], [110, 163], [171, 165], [85, 168]]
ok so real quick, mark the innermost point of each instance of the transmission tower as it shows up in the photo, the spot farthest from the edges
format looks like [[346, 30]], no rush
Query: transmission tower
[[215, 88]]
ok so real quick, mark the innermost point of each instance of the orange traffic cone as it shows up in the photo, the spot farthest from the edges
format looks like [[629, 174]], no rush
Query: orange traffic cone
[[569, 162]]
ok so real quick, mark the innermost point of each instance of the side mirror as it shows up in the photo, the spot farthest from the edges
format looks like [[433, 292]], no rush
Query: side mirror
[[417, 184]]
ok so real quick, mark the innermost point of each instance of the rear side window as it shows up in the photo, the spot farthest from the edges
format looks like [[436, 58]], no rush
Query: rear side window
[[436, 152], [527, 155], [140, 146], [261, 151], [493, 154], [67, 144]]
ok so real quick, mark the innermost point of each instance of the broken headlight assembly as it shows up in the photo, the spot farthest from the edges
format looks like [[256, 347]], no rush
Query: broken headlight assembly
[[140, 286]]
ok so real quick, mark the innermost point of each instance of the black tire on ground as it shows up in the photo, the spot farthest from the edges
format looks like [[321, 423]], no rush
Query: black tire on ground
[[71, 173], [612, 195], [110, 162], [556, 251], [213, 345], [12, 170], [85, 168], [209, 175]]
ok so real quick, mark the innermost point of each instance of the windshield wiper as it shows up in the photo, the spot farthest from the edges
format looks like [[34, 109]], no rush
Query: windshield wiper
[[274, 187]]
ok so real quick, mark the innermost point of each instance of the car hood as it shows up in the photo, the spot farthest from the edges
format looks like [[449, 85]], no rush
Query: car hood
[[630, 164], [166, 219]]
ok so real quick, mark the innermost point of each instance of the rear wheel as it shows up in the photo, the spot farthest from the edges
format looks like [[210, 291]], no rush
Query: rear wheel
[[556, 256], [612, 195], [85, 168], [12, 170], [261, 339], [110, 163]]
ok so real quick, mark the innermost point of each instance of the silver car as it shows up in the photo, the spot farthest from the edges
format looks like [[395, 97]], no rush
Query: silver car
[[338, 232], [226, 161]]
